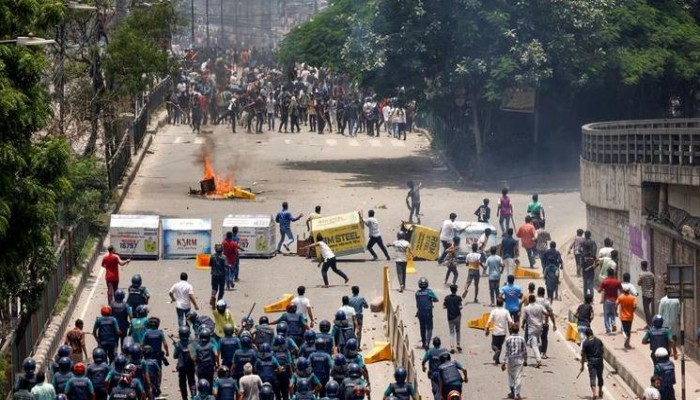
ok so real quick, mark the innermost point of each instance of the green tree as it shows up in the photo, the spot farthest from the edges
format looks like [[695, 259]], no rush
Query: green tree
[[33, 166]]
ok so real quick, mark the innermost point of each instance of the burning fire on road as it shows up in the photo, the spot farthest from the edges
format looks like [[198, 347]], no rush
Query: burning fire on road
[[216, 186]]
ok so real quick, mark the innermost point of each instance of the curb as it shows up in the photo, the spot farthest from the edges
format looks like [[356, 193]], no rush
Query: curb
[[614, 361], [56, 328]]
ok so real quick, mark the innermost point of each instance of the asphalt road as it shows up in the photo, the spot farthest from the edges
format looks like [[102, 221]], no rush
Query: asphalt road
[[341, 174]]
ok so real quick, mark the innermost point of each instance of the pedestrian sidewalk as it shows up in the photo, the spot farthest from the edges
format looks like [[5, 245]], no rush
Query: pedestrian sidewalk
[[634, 366]]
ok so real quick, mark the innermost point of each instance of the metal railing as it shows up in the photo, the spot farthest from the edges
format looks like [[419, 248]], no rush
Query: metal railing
[[119, 162], [664, 141], [401, 352], [31, 327]]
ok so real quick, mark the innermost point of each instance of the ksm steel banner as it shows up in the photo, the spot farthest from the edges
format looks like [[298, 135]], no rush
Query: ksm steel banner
[[425, 242], [344, 233]]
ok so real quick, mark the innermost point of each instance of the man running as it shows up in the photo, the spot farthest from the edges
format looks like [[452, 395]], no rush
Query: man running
[[413, 200], [285, 219], [592, 351], [328, 257], [375, 236], [501, 319]]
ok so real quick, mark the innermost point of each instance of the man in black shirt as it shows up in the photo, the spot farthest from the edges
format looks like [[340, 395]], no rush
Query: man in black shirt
[[453, 305], [584, 315], [589, 251], [592, 352]]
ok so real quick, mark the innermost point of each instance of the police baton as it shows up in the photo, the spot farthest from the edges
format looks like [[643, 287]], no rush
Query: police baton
[[251, 310]]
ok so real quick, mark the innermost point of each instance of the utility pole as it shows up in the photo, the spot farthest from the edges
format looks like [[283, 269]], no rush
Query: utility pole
[[221, 28], [192, 20], [206, 17]]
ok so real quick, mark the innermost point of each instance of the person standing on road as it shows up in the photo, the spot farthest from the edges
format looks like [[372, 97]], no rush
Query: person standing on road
[[432, 358], [182, 294], [515, 360], [447, 233], [483, 212], [474, 266], [610, 288], [534, 317], [230, 247], [504, 212], [329, 261], [43, 390], [527, 234], [575, 249], [425, 297], [375, 236], [494, 269], [670, 311], [303, 305], [450, 378], [111, 263], [588, 262], [413, 200], [358, 303], [592, 352], [509, 251], [453, 304], [250, 384], [403, 249], [551, 265], [652, 392], [75, 338], [544, 338], [285, 219], [646, 283], [657, 336], [667, 371], [314, 215], [217, 263], [584, 316], [451, 257], [501, 319], [106, 331], [122, 312], [511, 295]]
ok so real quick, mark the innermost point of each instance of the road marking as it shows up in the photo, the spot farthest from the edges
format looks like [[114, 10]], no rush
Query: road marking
[[92, 293], [178, 140], [353, 143], [198, 140], [287, 141], [331, 142], [398, 143], [375, 143]]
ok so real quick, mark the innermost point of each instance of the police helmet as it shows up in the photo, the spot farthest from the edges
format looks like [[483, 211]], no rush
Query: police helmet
[[266, 392], [191, 316], [64, 351], [130, 369], [221, 306], [661, 352], [303, 385], [445, 357], [79, 369], [99, 355], [263, 320], [325, 326], [302, 363], [246, 341], [265, 349], [120, 362], [248, 321], [339, 360], [657, 321], [279, 340], [126, 345], [203, 386], [340, 315], [282, 328], [309, 336], [106, 311], [141, 311], [29, 365], [136, 351], [229, 330], [223, 371], [354, 370], [437, 342], [400, 374], [64, 364], [351, 344], [183, 332], [119, 295], [423, 283], [319, 343], [153, 322], [332, 389], [136, 280], [204, 334]]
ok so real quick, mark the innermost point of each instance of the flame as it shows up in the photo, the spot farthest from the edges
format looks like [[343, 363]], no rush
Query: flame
[[224, 184]]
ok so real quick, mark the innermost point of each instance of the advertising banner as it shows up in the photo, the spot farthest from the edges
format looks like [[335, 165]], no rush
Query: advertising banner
[[344, 233], [425, 242], [257, 234], [135, 236], [186, 237]]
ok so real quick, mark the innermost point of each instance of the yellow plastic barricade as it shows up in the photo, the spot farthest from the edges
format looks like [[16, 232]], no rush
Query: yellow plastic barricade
[[280, 305], [380, 352]]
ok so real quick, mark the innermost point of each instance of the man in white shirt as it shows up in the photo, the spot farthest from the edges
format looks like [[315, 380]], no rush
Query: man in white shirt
[[375, 236], [652, 392], [303, 305], [447, 233], [501, 319], [182, 294], [250, 384], [349, 311]]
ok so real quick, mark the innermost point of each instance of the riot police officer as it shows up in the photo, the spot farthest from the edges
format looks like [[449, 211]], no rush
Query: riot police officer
[[340, 368], [304, 371], [332, 390], [267, 392], [185, 362], [140, 373], [106, 331], [139, 324], [198, 322], [296, 324], [432, 357], [225, 387], [122, 312], [123, 390], [63, 375], [97, 373], [155, 338], [321, 364], [449, 375], [352, 355], [304, 391], [29, 367], [115, 373], [244, 355], [138, 294], [325, 334], [205, 356], [267, 365], [343, 330], [291, 344], [63, 351], [263, 332], [228, 346], [400, 389], [659, 336], [425, 298], [153, 370], [354, 382], [79, 386], [280, 351], [308, 346], [203, 391]]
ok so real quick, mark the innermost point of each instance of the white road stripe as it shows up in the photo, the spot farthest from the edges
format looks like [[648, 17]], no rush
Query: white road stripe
[[375, 143], [398, 143], [353, 143], [92, 293], [178, 140], [287, 141], [198, 140], [331, 142]]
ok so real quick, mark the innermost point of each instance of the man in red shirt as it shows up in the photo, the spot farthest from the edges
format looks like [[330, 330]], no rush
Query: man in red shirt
[[611, 288], [231, 253], [527, 234], [111, 263]]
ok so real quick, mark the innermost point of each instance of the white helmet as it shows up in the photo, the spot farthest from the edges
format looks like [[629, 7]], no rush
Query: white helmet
[[661, 352]]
